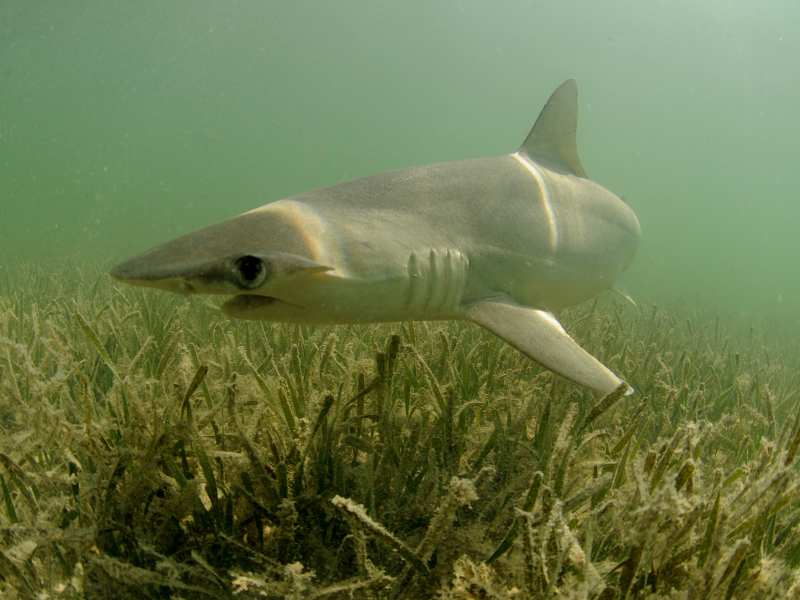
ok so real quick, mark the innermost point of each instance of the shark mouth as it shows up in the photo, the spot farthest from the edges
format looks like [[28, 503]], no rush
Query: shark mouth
[[252, 306], [247, 302]]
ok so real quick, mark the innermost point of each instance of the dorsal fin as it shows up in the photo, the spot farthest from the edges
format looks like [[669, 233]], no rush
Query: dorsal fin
[[552, 138]]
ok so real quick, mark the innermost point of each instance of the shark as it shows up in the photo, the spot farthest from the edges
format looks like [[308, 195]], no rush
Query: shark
[[503, 241]]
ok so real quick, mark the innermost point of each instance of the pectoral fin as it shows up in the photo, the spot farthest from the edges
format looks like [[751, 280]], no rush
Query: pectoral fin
[[623, 293], [540, 336]]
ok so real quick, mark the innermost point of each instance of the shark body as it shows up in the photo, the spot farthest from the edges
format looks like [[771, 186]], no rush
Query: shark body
[[501, 241]]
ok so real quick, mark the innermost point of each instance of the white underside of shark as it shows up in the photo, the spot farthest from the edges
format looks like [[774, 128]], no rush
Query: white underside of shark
[[502, 241]]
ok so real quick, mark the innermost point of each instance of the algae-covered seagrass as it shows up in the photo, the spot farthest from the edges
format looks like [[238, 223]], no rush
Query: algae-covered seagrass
[[151, 449]]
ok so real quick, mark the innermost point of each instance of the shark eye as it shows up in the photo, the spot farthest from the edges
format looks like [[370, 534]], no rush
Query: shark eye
[[251, 271]]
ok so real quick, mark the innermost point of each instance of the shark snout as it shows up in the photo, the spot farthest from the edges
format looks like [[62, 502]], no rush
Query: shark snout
[[167, 267], [134, 272], [128, 271], [149, 266]]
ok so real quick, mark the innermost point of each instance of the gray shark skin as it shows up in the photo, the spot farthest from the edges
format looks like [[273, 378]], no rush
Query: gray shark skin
[[500, 241]]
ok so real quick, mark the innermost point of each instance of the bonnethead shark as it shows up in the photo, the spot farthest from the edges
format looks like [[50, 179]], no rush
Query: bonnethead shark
[[502, 241]]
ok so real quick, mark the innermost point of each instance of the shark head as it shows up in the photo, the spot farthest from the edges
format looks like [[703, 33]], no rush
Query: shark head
[[245, 258]]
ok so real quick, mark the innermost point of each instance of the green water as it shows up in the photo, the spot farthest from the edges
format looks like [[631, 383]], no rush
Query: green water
[[123, 124]]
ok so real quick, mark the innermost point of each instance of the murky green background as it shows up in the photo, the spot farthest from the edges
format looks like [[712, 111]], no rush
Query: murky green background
[[125, 123]]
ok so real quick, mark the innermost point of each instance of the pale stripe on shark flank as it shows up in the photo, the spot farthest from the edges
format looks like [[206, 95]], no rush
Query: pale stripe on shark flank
[[552, 228], [321, 241]]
